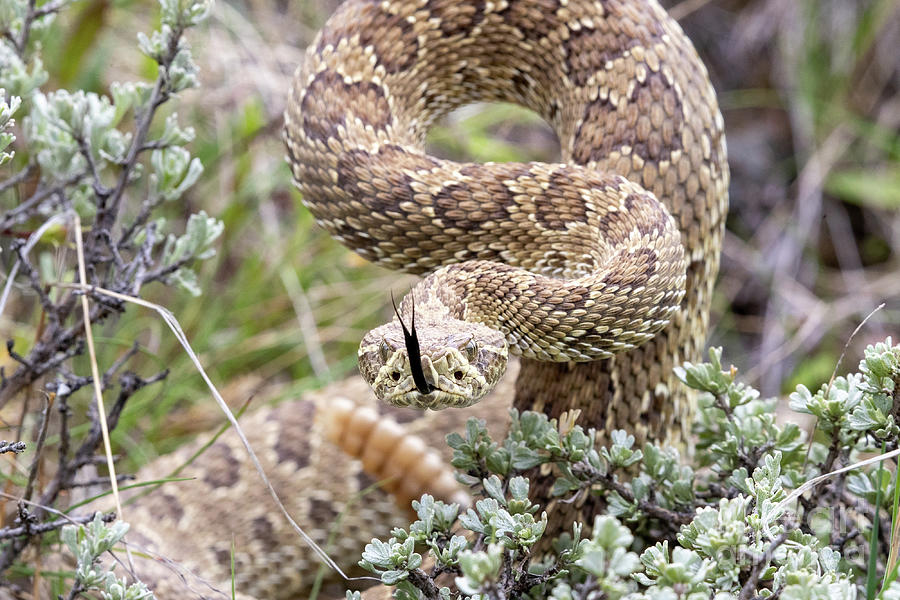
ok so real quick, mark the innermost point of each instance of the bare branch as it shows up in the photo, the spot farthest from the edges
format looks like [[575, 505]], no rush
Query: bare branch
[[39, 446], [41, 528], [17, 178]]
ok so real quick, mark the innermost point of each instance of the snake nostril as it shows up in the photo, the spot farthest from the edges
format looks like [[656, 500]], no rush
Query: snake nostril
[[458, 375]]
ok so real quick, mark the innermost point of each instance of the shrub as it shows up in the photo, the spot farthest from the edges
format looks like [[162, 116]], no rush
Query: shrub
[[727, 526], [79, 161]]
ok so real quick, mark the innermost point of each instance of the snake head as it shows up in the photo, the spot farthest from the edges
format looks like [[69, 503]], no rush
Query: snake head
[[460, 362]]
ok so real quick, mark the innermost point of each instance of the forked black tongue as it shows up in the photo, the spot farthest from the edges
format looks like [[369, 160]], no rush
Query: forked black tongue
[[412, 349]]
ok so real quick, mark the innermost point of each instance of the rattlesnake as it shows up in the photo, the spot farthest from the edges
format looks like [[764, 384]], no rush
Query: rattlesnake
[[556, 262], [637, 118]]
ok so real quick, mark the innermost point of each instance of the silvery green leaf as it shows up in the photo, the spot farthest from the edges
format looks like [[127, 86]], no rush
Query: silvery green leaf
[[609, 533], [90, 577], [115, 146], [377, 553], [135, 591], [8, 107], [707, 377], [98, 122], [5, 140], [169, 165], [186, 278], [173, 134], [194, 170], [424, 508], [104, 536], [564, 485], [6, 121], [881, 366], [577, 443], [114, 591], [738, 479], [156, 46], [182, 72], [524, 458], [518, 488], [69, 536], [83, 114], [479, 567], [470, 521], [494, 488], [640, 487], [829, 558], [56, 150], [394, 576], [445, 515], [866, 484], [171, 12], [594, 562], [619, 507], [58, 120], [503, 522], [457, 544], [620, 453], [203, 231], [12, 15], [184, 13], [195, 244], [127, 96], [562, 590], [407, 547], [867, 417], [175, 171], [620, 437], [498, 460], [15, 75]]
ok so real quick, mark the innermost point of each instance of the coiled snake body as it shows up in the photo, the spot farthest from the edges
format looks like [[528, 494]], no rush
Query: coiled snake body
[[563, 262], [608, 258]]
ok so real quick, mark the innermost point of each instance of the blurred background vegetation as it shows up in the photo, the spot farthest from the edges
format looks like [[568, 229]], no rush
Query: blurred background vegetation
[[809, 92]]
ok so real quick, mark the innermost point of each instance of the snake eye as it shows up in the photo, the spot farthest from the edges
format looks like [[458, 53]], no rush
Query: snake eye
[[470, 350], [384, 351]]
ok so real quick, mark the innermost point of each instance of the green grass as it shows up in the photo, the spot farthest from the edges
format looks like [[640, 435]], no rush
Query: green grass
[[872, 571], [892, 565]]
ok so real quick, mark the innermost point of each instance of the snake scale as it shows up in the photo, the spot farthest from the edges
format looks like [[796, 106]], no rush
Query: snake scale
[[598, 271]]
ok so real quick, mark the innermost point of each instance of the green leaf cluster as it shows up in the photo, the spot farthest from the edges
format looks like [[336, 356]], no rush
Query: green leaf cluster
[[8, 107], [87, 544], [719, 528], [86, 150]]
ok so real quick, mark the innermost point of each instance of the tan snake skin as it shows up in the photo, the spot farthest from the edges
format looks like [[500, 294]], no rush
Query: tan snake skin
[[629, 99], [566, 262], [577, 247], [182, 533]]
